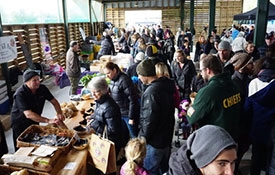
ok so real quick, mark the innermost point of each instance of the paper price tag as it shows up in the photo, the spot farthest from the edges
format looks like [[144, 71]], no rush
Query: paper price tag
[[70, 166]]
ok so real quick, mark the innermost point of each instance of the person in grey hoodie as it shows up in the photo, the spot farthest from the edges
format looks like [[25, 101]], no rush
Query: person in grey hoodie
[[210, 150], [238, 45]]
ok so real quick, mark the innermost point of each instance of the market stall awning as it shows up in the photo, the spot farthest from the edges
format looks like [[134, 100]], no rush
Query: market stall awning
[[251, 15]]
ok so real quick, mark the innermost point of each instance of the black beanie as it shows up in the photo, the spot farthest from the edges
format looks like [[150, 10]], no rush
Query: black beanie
[[28, 74], [146, 68], [151, 51]]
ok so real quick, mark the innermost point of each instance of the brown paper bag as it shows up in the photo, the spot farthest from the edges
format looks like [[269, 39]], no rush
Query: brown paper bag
[[103, 154]]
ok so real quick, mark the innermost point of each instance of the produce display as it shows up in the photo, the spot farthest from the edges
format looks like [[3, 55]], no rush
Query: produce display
[[36, 135], [69, 109], [87, 78]]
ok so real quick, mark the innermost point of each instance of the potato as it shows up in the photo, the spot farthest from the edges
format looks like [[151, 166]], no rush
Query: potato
[[63, 105], [71, 106]]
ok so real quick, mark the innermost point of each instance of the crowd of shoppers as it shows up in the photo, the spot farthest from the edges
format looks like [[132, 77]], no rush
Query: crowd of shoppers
[[235, 80], [235, 97]]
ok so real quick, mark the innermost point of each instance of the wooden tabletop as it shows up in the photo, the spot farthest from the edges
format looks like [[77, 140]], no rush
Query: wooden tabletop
[[72, 162], [75, 158], [78, 117]]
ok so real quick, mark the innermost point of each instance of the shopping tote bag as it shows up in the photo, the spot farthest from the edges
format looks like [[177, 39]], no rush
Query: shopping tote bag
[[64, 80], [103, 154]]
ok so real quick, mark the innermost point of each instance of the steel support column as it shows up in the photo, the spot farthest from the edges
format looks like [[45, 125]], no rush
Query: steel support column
[[261, 22], [212, 13], [90, 15], [66, 25], [182, 2], [192, 9]]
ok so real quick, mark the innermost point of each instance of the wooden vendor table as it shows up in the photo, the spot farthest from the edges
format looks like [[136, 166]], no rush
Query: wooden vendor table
[[73, 162]]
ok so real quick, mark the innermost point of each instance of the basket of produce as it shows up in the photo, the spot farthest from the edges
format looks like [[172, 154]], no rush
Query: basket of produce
[[36, 135]]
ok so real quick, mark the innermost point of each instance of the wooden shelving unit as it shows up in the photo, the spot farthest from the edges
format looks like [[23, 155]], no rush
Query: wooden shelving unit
[[56, 37]]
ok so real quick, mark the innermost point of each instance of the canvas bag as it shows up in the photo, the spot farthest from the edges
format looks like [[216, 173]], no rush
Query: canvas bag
[[103, 153]]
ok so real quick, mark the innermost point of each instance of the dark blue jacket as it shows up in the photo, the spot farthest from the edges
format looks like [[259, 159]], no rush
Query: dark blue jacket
[[261, 106], [107, 47]]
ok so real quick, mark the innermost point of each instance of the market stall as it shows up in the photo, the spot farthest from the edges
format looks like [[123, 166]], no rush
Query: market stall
[[63, 160]]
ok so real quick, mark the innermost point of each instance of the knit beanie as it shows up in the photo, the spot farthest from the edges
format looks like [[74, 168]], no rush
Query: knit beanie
[[207, 143], [151, 41], [241, 34], [240, 60], [224, 45], [28, 74], [151, 51], [139, 57], [146, 68], [73, 43], [269, 36]]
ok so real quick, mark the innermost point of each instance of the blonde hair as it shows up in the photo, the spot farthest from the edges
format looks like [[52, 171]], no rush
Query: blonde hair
[[135, 152], [162, 70]]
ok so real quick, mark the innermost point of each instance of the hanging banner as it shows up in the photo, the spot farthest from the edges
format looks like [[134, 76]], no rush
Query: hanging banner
[[44, 41], [8, 49]]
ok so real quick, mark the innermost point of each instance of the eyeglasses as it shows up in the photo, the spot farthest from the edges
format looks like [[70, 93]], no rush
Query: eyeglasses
[[96, 92], [202, 69]]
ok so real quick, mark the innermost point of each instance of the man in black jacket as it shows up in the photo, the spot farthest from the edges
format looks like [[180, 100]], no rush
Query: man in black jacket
[[156, 117]]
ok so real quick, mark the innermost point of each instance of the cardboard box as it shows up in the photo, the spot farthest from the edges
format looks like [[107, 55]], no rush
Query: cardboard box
[[105, 58], [123, 60], [96, 67]]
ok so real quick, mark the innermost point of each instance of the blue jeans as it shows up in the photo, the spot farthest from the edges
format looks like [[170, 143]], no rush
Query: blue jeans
[[156, 160], [133, 131]]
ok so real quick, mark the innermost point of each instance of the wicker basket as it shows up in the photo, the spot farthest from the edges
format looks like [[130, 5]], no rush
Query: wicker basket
[[46, 130]]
